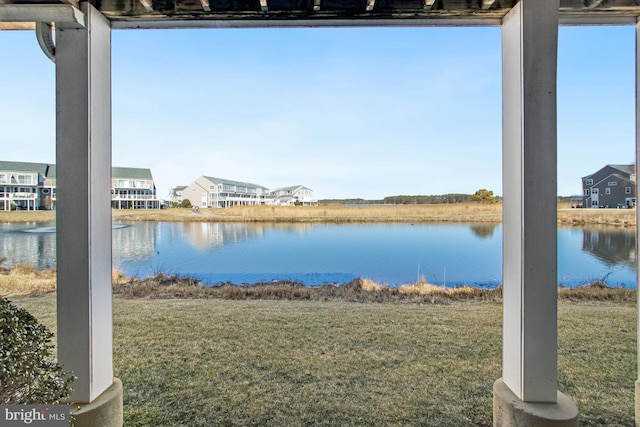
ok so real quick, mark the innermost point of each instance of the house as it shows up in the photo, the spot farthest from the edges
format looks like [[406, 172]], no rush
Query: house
[[26, 186], [612, 186], [32, 186], [133, 188], [296, 194], [176, 194], [210, 192]]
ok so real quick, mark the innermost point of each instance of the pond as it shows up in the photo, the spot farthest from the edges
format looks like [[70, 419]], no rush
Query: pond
[[394, 254]]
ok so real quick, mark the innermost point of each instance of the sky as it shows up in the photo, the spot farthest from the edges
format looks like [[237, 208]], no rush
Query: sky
[[348, 112]]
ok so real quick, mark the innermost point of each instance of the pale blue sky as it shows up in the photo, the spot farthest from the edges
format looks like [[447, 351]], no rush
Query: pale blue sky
[[347, 112]]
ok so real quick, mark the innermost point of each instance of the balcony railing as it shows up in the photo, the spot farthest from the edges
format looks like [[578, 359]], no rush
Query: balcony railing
[[116, 197]]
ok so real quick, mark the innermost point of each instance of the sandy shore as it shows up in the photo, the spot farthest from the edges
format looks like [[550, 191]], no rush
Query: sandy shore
[[464, 212]]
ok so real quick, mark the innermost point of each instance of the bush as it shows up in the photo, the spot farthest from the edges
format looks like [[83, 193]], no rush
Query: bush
[[186, 203], [27, 373]]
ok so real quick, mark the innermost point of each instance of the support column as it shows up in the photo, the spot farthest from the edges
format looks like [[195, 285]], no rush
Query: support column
[[527, 394], [637, 405], [83, 217]]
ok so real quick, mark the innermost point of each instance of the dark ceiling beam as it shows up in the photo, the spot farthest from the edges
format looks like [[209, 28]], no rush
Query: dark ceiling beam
[[428, 4], [486, 4], [592, 4], [147, 5]]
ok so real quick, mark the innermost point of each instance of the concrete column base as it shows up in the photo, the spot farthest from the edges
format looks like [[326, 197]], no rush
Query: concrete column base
[[509, 410], [104, 411]]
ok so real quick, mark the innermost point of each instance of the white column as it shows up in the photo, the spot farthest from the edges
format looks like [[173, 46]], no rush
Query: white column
[[637, 397], [83, 156], [529, 57]]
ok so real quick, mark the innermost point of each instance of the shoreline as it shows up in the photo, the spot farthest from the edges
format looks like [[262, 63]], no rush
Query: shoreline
[[415, 214], [28, 281]]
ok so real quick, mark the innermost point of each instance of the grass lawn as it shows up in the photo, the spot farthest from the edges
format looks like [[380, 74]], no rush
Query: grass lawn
[[210, 362]]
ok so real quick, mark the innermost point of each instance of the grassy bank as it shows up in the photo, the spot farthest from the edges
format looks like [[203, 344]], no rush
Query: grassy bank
[[195, 362], [462, 212], [26, 280]]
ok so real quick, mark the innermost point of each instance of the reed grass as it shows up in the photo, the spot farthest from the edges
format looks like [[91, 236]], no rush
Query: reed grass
[[455, 212], [26, 280]]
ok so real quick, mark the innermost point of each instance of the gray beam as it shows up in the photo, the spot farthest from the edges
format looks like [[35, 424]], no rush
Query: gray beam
[[83, 218], [529, 56]]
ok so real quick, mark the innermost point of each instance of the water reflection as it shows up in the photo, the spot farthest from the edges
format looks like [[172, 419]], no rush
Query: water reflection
[[205, 235], [134, 243], [388, 253], [613, 246], [483, 230], [36, 249]]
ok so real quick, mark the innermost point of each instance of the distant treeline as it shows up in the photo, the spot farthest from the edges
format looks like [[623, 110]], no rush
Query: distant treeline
[[402, 200], [414, 200]]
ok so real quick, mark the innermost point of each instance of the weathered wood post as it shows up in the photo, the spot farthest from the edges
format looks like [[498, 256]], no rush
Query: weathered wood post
[[83, 156], [527, 393]]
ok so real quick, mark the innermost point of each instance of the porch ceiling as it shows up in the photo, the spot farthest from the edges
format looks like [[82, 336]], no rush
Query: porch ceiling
[[316, 13]]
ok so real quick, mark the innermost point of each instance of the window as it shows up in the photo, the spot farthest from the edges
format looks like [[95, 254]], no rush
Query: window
[[25, 179], [3, 178], [586, 192], [607, 190], [627, 190], [589, 182], [594, 203], [123, 183], [141, 183], [612, 183], [594, 191]]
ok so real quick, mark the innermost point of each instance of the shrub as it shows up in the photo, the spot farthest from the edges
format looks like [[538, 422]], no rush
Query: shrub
[[186, 203], [28, 375]]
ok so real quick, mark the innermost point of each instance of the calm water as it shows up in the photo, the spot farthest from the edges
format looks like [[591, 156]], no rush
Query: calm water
[[317, 253]]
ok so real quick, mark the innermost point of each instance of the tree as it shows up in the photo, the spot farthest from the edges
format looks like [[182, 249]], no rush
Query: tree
[[484, 196]]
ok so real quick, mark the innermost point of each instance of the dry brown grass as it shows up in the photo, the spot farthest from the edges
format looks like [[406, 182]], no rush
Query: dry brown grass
[[455, 212], [463, 212], [26, 280], [617, 217]]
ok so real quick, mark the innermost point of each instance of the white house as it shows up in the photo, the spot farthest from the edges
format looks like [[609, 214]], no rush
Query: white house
[[133, 188], [296, 194]]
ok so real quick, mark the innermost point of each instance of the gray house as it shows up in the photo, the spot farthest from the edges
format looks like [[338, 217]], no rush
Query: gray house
[[210, 192], [613, 186]]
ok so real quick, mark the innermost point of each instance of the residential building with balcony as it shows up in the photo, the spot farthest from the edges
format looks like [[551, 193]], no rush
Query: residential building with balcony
[[32, 186], [297, 194], [210, 192], [133, 188]]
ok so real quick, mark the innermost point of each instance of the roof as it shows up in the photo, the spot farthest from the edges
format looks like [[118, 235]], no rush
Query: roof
[[48, 170], [40, 168], [292, 188], [131, 173], [228, 181], [625, 169], [307, 13], [179, 188]]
